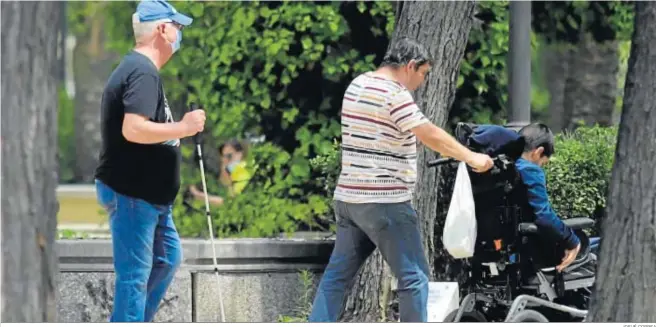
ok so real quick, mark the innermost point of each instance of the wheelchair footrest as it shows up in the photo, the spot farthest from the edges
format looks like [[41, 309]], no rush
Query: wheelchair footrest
[[579, 278]]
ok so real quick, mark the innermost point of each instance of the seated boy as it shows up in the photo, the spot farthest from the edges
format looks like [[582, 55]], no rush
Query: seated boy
[[538, 148]]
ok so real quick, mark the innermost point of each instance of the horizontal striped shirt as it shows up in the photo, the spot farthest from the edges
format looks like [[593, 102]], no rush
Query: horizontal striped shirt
[[379, 152]]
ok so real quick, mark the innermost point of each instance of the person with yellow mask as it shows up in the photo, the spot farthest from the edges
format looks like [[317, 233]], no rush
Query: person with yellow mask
[[234, 172]]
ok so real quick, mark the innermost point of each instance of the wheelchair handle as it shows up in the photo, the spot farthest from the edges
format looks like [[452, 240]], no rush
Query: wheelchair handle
[[442, 161], [498, 161], [527, 228]]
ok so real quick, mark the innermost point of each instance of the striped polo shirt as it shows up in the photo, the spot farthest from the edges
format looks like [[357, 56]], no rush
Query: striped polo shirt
[[379, 152]]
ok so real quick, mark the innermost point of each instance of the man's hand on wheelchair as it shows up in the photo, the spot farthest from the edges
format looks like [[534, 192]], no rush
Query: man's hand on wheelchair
[[570, 256], [479, 162]]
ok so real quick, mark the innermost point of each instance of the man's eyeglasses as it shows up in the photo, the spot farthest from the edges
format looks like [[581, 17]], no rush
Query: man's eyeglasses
[[178, 26]]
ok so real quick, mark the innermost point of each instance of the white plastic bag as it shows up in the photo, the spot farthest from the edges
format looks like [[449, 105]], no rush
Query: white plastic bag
[[459, 236]]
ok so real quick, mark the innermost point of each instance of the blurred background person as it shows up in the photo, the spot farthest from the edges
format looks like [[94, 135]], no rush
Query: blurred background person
[[234, 174]]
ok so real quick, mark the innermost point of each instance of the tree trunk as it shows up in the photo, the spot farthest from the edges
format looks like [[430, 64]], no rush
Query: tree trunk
[[555, 68], [92, 64], [29, 159], [591, 86], [444, 28], [626, 280]]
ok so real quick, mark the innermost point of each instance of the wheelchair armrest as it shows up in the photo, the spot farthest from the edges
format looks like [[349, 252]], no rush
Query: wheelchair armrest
[[579, 223], [527, 228]]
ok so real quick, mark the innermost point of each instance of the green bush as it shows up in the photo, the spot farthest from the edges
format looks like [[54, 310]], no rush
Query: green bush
[[578, 174], [328, 167], [274, 202]]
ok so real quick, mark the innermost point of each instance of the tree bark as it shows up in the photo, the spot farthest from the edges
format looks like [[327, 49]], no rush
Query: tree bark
[[555, 71], [591, 85], [626, 279], [582, 83], [444, 28], [29, 159], [92, 64]]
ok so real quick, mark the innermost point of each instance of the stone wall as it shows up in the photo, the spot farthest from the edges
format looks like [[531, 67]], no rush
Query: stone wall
[[259, 280]]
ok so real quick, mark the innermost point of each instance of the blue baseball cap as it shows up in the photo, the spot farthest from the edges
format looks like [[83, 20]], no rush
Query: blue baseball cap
[[154, 10]]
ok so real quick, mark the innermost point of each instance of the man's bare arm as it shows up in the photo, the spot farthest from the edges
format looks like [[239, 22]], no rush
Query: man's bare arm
[[139, 129], [440, 141], [212, 199]]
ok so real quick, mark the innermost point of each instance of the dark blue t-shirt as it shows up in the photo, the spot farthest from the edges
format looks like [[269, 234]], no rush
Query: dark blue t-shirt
[[150, 172]]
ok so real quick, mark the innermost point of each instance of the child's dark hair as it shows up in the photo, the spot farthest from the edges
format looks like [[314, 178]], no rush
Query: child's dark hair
[[538, 135], [235, 144]]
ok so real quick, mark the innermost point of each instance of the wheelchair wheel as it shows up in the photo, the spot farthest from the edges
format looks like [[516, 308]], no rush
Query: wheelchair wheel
[[529, 316], [467, 316]]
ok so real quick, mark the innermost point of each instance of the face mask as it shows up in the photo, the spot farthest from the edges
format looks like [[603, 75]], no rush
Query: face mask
[[231, 166], [176, 45]]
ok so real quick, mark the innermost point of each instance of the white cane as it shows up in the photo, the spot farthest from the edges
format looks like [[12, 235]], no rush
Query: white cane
[[198, 142]]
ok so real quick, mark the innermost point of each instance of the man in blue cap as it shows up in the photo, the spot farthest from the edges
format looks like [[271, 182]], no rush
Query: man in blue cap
[[138, 176]]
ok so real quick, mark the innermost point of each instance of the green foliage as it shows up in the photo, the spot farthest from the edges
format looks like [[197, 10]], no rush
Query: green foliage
[[69, 234], [567, 21], [274, 202], [482, 83], [66, 136], [482, 92], [578, 175], [624, 50], [326, 165], [246, 63], [621, 18], [304, 304]]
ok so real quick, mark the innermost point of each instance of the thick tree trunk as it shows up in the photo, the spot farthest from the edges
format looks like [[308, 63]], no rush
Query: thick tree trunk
[[626, 278], [444, 28], [370, 296], [591, 86], [92, 64], [29, 159]]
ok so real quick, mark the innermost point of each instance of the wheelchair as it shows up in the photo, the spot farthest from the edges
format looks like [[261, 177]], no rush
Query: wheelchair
[[512, 275]]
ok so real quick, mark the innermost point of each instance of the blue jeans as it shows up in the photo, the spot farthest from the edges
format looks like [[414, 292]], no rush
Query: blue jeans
[[147, 253], [393, 229]]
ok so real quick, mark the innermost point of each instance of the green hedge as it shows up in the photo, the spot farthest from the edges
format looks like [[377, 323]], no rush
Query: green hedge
[[578, 174], [274, 202]]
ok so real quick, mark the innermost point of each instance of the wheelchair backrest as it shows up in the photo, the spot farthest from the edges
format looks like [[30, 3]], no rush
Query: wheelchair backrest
[[493, 140], [495, 195]]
